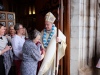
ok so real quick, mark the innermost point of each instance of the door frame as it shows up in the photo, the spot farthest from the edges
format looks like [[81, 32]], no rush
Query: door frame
[[66, 63]]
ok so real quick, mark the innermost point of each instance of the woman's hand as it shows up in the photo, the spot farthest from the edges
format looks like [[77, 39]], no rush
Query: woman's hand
[[38, 43], [8, 48], [43, 54]]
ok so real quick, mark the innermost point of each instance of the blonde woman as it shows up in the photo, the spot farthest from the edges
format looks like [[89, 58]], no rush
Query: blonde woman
[[25, 34]]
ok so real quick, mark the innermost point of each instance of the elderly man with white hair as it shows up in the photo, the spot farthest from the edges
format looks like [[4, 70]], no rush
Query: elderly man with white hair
[[49, 40]]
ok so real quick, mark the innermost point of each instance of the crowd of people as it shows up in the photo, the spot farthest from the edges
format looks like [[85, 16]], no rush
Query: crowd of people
[[31, 53]]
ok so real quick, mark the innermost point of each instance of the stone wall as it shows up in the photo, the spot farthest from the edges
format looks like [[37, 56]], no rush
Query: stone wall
[[83, 36], [96, 70], [74, 37]]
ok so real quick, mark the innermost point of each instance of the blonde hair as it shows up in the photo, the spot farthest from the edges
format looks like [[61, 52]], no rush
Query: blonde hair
[[26, 33]]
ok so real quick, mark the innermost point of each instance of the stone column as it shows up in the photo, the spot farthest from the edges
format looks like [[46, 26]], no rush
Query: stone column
[[87, 26], [92, 31], [97, 71], [98, 30]]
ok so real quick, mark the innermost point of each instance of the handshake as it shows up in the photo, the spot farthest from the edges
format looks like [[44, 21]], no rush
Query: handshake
[[40, 45], [42, 50]]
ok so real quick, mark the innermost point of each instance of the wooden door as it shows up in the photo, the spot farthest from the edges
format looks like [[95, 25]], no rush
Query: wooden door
[[7, 18], [66, 63]]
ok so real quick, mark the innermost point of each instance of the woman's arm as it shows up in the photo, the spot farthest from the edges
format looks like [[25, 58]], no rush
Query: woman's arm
[[33, 50], [5, 49]]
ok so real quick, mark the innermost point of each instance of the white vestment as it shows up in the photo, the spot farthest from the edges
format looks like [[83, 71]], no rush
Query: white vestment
[[48, 64]]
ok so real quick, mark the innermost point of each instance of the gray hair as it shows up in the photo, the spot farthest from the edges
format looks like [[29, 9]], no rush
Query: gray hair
[[16, 27], [34, 34]]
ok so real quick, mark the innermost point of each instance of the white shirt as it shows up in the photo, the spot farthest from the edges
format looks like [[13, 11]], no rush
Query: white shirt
[[17, 44], [3, 42]]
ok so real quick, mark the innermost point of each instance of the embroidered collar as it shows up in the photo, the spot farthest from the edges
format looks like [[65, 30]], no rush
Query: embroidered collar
[[46, 41]]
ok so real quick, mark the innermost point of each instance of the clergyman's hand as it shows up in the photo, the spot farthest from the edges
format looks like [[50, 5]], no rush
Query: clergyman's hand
[[58, 40]]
